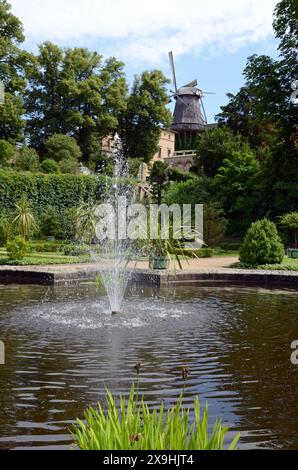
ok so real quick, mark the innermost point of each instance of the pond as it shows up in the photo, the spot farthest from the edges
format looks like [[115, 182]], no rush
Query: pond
[[63, 346]]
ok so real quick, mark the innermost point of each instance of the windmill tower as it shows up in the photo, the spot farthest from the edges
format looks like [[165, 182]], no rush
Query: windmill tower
[[189, 114]]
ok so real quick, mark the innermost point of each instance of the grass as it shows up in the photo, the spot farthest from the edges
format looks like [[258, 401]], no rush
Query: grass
[[39, 259], [133, 426], [287, 264]]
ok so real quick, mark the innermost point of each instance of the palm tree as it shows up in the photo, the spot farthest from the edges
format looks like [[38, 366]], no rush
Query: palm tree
[[86, 222], [24, 220]]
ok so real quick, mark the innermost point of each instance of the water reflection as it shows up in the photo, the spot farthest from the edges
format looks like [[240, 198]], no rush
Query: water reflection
[[62, 346]]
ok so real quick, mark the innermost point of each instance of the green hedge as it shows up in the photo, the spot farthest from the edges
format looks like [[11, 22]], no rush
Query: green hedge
[[59, 191]]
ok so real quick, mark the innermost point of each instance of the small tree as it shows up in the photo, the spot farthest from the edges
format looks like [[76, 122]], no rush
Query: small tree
[[27, 160], [60, 147], [24, 220], [50, 223], [262, 244], [86, 222], [291, 220], [50, 166], [158, 179], [7, 151], [17, 249]]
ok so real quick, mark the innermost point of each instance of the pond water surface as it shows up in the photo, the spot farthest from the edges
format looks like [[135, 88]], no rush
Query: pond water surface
[[63, 347]]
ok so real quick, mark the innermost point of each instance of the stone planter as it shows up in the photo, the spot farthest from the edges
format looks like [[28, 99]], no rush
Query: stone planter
[[159, 262], [292, 252]]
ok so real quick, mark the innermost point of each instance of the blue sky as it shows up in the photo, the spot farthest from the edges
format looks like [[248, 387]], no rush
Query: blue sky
[[210, 39]]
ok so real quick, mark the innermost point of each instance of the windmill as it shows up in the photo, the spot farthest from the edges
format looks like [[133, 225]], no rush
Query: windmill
[[189, 114]]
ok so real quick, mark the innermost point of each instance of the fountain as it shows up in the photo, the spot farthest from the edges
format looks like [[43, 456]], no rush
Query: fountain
[[113, 245]]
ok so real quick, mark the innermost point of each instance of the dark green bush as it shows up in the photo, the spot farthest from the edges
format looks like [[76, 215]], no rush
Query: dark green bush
[[5, 230], [7, 152], [17, 249], [49, 166], [59, 191], [62, 147], [50, 223], [27, 160], [68, 220], [68, 165], [200, 253], [262, 244], [230, 246]]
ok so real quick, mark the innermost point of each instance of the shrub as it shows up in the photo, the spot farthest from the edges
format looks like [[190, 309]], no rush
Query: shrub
[[230, 246], [59, 191], [200, 253], [7, 152], [60, 147], [262, 244], [68, 221], [27, 160], [135, 427], [291, 220], [17, 249], [5, 230], [68, 165], [50, 223], [50, 166]]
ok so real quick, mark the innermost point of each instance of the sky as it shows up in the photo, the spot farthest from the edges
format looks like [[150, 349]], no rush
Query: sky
[[210, 39]]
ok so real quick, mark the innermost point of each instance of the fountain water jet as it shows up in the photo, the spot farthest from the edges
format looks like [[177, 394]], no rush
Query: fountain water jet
[[116, 250]]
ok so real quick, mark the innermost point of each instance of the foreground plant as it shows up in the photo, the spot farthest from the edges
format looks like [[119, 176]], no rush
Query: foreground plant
[[135, 427], [24, 221]]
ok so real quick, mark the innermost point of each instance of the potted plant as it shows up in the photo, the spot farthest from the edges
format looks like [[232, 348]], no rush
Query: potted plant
[[159, 257]]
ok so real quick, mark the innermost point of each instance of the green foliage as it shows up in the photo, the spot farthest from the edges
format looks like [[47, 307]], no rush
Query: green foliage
[[27, 160], [158, 179], [145, 115], [100, 162], [61, 147], [5, 230], [68, 221], [59, 191], [24, 220], [135, 427], [291, 220], [215, 224], [50, 222], [134, 166], [86, 222], [13, 62], [74, 92], [17, 248], [50, 166], [68, 166], [194, 191], [262, 244], [200, 253], [230, 246], [215, 145], [7, 152]]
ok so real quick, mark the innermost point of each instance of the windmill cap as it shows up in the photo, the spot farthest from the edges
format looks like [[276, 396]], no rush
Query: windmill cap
[[187, 90]]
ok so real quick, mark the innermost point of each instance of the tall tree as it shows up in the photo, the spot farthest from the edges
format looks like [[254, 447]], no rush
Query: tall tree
[[240, 116], [13, 63], [214, 145], [145, 115], [74, 92]]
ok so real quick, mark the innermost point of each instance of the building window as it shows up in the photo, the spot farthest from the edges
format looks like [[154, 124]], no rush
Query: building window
[[159, 153], [169, 152]]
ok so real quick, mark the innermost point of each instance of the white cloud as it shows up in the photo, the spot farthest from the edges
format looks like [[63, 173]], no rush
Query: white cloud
[[146, 30]]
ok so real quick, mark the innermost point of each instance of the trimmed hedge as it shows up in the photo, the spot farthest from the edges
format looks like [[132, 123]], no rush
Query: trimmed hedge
[[58, 191]]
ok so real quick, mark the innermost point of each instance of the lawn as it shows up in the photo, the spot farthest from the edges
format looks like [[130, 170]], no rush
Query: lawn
[[287, 264], [43, 259]]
